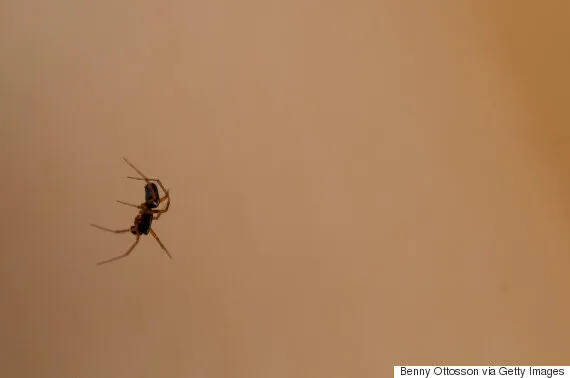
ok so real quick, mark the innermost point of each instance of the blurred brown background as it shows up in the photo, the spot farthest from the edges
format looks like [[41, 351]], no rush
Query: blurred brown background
[[355, 185]]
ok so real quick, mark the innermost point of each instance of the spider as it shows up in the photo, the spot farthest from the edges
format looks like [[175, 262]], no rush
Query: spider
[[147, 213]]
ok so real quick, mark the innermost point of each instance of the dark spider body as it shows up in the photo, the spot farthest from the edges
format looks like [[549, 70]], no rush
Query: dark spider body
[[147, 213], [149, 194], [142, 224], [143, 221]]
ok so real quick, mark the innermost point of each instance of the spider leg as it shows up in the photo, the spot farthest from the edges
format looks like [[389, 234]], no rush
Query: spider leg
[[123, 255], [137, 170], [167, 196], [159, 242], [107, 229], [156, 195], [129, 204], [158, 211]]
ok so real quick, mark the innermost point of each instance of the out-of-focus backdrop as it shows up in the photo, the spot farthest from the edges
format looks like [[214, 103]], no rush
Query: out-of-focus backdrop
[[354, 185]]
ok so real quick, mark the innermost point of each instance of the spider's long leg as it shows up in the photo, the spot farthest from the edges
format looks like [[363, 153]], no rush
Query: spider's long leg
[[123, 255], [159, 242], [137, 170], [129, 204], [167, 196], [156, 195], [107, 229], [158, 211]]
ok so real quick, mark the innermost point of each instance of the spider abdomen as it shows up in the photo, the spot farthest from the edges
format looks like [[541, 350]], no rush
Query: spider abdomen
[[144, 224]]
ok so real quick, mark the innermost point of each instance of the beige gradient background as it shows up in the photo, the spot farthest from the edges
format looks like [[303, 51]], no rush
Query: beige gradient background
[[355, 185]]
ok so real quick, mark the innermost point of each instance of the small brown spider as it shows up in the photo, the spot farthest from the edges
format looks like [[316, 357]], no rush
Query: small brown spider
[[146, 215]]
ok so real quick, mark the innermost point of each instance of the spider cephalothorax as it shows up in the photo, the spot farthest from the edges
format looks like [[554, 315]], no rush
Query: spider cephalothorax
[[147, 213]]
